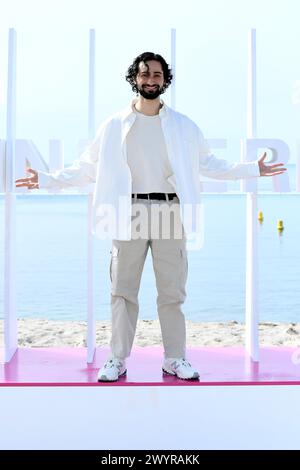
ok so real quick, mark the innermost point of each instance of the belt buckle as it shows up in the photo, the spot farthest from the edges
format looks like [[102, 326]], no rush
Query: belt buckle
[[167, 197]]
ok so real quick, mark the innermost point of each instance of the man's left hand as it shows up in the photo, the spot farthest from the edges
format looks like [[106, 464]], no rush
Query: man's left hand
[[270, 170]]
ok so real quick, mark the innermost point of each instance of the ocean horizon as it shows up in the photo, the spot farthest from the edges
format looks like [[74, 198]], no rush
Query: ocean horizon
[[51, 278]]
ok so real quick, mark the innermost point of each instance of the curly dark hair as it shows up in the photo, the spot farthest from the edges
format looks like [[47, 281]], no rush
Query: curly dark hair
[[144, 57]]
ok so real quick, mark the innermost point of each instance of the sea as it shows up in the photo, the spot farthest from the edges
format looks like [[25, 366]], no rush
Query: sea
[[51, 259]]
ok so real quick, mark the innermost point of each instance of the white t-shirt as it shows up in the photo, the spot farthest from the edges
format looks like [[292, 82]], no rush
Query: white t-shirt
[[147, 156]]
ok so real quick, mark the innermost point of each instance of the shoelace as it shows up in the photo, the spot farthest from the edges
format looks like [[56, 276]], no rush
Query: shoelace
[[111, 363], [182, 362]]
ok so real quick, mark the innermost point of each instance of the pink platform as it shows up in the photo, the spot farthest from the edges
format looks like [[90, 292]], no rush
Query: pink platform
[[217, 366]]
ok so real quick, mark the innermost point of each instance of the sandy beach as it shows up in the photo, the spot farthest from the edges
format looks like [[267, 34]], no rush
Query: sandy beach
[[46, 333]]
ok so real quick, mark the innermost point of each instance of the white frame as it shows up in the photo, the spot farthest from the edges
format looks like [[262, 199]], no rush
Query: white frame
[[8, 148]]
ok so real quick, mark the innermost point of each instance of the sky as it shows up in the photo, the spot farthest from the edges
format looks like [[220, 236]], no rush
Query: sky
[[211, 65]]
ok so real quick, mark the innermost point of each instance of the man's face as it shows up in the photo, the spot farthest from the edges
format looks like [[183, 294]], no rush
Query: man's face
[[150, 79]]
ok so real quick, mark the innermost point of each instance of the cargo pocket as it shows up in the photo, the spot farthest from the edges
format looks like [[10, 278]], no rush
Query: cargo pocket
[[184, 265], [113, 261]]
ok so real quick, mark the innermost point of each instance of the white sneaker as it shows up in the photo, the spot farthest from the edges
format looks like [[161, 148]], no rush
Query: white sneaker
[[180, 367], [112, 370]]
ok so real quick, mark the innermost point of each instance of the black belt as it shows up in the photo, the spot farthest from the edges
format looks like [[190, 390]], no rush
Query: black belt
[[158, 196]]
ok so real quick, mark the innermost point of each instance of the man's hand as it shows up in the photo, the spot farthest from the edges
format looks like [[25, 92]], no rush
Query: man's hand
[[269, 170], [32, 182]]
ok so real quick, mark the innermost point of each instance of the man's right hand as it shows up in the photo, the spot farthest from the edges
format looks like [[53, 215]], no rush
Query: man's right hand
[[32, 182]]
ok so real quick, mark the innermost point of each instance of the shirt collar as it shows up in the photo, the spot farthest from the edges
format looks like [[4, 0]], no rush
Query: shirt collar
[[128, 111]]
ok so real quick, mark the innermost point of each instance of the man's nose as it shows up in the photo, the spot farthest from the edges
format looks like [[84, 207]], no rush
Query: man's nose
[[151, 81]]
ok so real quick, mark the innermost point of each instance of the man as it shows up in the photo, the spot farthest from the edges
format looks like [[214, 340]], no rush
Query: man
[[146, 156]]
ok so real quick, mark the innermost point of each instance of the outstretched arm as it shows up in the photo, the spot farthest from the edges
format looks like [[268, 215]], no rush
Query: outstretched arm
[[81, 173], [219, 168]]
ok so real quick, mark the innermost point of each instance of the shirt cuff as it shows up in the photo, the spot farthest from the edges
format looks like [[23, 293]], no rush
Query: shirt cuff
[[253, 168], [45, 180]]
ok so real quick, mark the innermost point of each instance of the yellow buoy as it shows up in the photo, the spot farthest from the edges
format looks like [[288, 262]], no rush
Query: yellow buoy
[[260, 216], [280, 226]]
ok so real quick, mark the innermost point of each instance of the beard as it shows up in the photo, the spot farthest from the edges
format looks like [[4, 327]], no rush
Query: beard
[[150, 95]]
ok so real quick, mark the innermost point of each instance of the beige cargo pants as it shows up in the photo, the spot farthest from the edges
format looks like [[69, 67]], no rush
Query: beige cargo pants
[[170, 265]]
